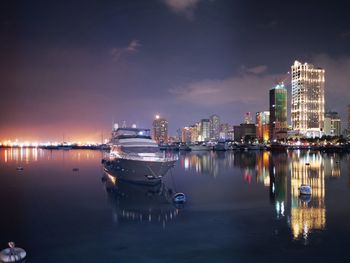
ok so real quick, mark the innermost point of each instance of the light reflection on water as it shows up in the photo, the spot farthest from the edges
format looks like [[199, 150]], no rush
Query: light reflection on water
[[27, 155], [283, 173]]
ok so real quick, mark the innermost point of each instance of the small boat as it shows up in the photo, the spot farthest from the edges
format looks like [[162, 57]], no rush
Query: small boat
[[221, 146], [19, 168], [12, 254], [179, 198], [75, 169], [307, 164], [305, 189]]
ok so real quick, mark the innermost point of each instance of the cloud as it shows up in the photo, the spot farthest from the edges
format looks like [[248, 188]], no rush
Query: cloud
[[131, 48], [258, 69], [182, 7], [249, 91], [249, 88]]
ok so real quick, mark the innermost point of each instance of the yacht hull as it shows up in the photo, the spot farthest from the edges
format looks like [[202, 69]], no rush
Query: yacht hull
[[142, 172]]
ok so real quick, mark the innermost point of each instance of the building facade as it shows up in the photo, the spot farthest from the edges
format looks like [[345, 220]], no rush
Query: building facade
[[244, 132], [186, 135], [332, 124], [278, 113], [307, 103], [160, 130], [204, 134], [194, 132], [263, 126], [214, 127]]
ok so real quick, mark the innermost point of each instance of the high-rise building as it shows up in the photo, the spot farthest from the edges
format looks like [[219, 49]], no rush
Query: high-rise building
[[332, 124], [204, 130], [307, 99], [194, 132], [160, 130], [186, 135], [263, 126], [278, 112], [214, 126]]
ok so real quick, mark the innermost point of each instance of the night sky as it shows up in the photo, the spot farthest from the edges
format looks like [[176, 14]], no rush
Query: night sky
[[71, 68]]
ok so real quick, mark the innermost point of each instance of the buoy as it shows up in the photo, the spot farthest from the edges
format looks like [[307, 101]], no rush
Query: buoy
[[75, 169], [305, 189], [179, 198], [12, 254], [20, 168]]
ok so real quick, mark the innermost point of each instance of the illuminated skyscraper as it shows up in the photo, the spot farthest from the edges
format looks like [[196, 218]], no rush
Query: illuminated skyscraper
[[160, 130], [278, 112], [204, 130], [214, 126], [307, 99], [262, 125], [194, 132], [186, 135]]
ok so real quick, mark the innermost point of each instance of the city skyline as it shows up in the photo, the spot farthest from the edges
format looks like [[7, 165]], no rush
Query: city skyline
[[72, 70]]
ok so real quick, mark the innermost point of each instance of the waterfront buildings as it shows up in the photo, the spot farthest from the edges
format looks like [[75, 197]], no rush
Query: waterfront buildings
[[332, 124], [248, 118], [225, 129], [245, 132], [262, 126], [204, 134], [194, 130], [278, 113], [160, 130], [214, 126], [186, 135], [307, 103]]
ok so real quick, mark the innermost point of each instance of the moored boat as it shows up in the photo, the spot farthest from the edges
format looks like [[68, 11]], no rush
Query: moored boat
[[135, 157]]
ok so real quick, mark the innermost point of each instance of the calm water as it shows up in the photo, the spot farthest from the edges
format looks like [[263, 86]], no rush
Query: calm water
[[242, 207]]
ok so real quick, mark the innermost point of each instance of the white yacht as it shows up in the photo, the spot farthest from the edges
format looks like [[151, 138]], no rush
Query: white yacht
[[134, 156]]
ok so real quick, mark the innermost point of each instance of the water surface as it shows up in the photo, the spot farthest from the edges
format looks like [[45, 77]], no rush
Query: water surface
[[242, 207]]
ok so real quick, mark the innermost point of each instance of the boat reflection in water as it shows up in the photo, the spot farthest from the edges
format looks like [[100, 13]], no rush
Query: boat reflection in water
[[284, 173], [307, 214], [140, 203]]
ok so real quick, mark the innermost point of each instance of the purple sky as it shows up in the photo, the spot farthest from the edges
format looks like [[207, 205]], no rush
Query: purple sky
[[71, 68]]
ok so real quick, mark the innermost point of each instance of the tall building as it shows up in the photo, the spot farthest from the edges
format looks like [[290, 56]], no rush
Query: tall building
[[307, 99], [160, 130], [214, 126], [278, 112], [204, 133], [186, 135], [194, 132], [332, 124], [263, 126]]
